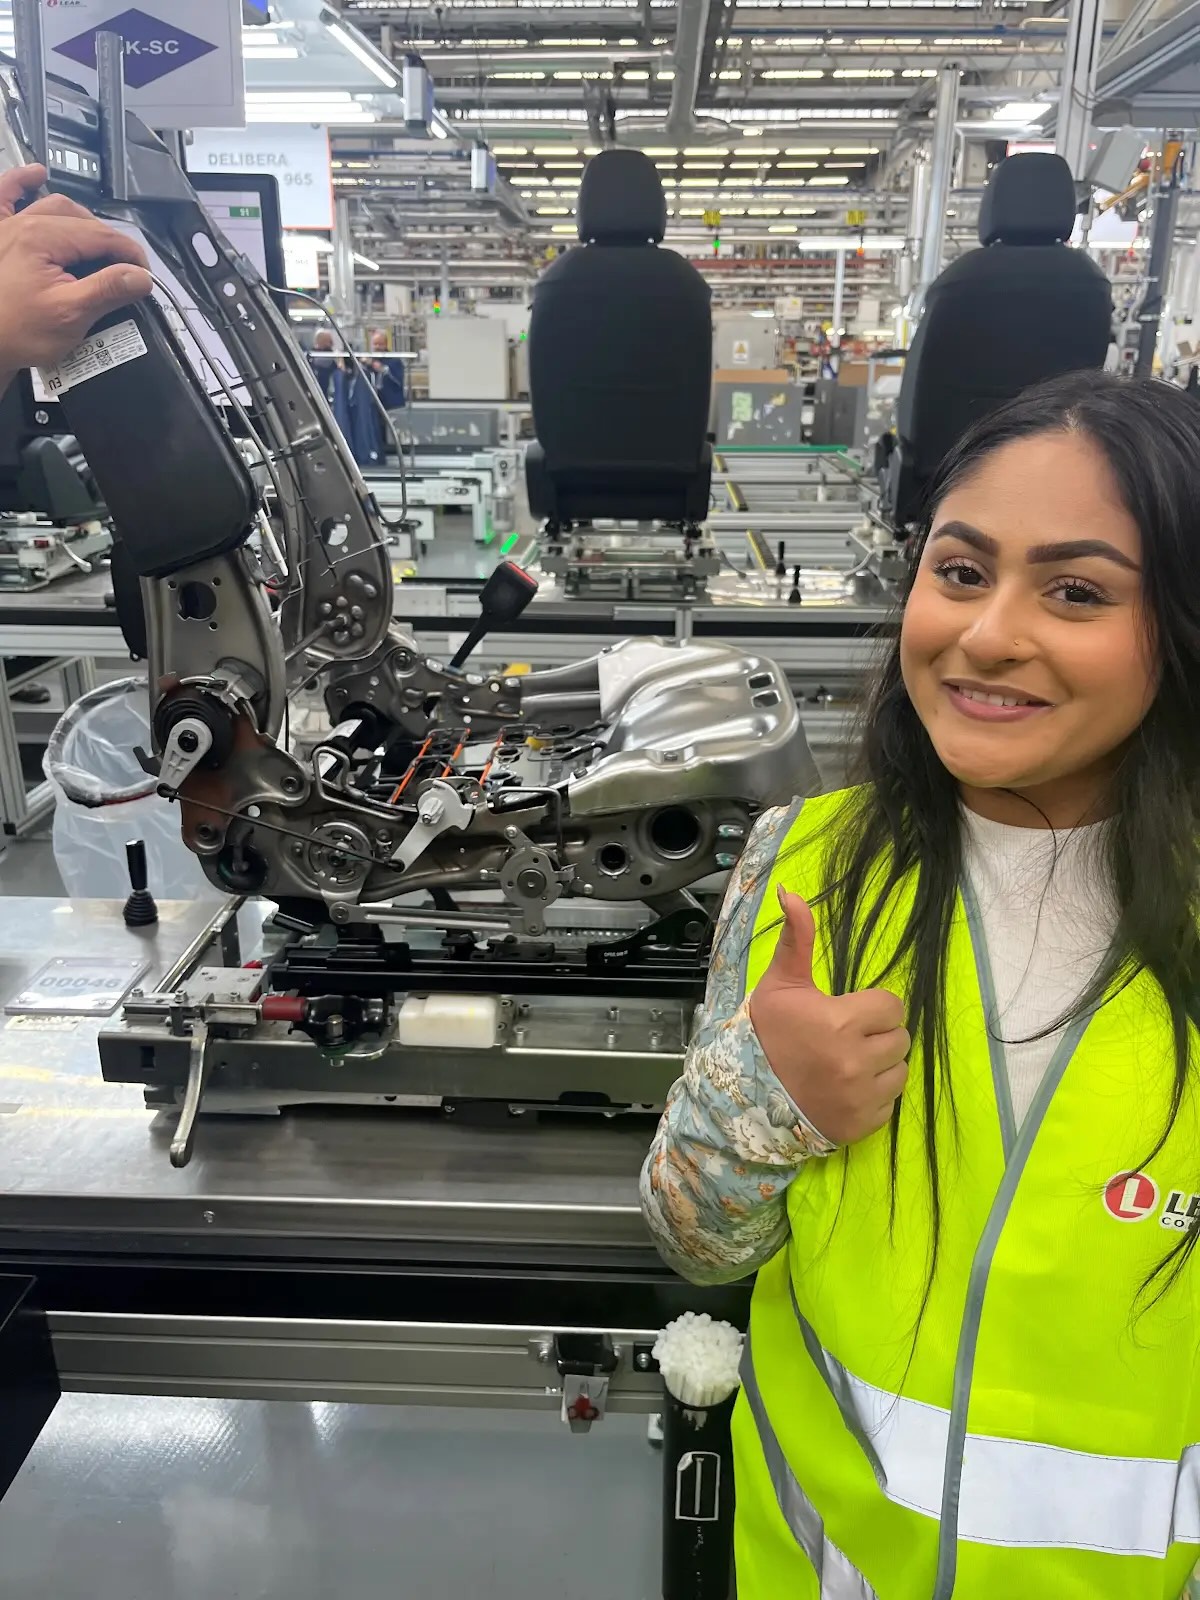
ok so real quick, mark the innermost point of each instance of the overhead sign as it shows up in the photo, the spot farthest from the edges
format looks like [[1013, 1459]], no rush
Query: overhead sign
[[296, 154], [741, 352], [183, 58]]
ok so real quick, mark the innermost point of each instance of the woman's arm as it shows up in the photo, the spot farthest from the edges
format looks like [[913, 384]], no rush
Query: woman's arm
[[714, 1186]]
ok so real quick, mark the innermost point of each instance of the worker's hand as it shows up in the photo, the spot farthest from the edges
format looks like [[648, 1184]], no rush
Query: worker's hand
[[17, 184], [45, 311], [842, 1058]]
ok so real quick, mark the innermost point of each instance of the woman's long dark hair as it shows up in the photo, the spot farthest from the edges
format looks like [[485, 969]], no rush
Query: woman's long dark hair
[[905, 819]]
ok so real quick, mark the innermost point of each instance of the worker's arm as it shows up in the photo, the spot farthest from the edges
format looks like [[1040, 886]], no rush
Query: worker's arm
[[714, 1186], [45, 311]]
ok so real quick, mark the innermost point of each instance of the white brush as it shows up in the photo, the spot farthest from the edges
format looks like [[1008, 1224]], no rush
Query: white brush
[[699, 1359]]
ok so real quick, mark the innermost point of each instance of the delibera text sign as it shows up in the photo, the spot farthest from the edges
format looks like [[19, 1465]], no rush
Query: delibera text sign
[[296, 154]]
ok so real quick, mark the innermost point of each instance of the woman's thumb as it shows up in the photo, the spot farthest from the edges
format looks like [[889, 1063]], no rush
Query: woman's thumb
[[793, 958]]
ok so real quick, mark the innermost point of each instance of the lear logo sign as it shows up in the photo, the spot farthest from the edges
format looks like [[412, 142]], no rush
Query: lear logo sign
[[152, 47], [1132, 1197]]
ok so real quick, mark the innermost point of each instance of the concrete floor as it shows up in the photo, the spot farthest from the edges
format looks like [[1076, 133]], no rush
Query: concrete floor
[[27, 866], [175, 1499]]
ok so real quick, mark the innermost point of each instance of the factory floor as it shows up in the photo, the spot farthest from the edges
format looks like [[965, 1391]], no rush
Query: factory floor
[[174, 1499], [27, 866]]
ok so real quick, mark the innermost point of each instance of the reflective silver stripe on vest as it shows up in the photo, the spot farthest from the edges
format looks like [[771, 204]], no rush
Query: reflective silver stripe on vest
[[1015, 1492], [840, 1579]]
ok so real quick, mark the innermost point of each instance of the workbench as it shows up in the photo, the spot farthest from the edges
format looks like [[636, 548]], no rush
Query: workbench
[[333, 1260]]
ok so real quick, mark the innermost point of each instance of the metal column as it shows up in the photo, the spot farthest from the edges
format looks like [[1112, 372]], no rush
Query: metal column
[[941, 164], [839, 297], [31, 69], [341, 265], [110, 71], [906, 261], [444, 290], [1162, 243], [1078, 91]]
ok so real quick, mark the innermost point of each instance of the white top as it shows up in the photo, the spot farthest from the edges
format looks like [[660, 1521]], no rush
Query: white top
[[1048, 917]]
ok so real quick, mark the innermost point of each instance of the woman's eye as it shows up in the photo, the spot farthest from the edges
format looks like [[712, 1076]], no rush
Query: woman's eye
[[1075, 592], [959, 574]]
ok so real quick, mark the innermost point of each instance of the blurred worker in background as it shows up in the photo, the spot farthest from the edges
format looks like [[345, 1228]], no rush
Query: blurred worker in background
[[386, 375], [355, 403], [943, 1094]]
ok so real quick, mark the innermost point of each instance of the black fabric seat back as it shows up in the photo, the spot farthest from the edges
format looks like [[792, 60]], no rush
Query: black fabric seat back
[[620, 361], [1024, 308]]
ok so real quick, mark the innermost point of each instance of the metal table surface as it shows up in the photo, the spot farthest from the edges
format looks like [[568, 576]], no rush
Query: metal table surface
[[83, 1161], [369, 1255]]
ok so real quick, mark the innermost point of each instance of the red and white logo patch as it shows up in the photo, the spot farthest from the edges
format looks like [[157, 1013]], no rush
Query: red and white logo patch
[[1130, 1196]]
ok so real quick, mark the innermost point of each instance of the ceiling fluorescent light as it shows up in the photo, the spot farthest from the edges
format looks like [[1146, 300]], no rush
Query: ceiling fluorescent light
[[1021, 112], [320, 98], [322, 116], [365, 261], [364, 52]]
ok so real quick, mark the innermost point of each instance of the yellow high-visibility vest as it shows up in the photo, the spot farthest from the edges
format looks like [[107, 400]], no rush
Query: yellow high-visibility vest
[[1039, 1437]]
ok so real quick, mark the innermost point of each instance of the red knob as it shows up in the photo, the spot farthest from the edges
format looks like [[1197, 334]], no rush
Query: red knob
[[284, 1008]]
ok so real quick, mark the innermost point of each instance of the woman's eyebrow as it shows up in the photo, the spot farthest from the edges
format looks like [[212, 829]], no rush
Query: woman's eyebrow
[[966, 534], [1038, 555], [1074, 549]]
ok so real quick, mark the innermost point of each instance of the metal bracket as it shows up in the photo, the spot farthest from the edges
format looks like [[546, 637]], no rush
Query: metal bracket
[[586, 1362], [189, 742], [439, 809]]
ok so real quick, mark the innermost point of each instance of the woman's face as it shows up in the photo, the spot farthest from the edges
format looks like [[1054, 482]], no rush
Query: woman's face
[[1023, 646]]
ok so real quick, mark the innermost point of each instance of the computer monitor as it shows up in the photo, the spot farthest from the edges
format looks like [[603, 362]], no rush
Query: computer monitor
[[245, 206]]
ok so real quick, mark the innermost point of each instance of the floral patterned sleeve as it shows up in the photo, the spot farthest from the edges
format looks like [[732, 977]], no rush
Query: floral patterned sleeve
[[714, 1186]]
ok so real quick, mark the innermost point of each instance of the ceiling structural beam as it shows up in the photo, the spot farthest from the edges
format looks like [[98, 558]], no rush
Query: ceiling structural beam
[[711, 54], [518, 18], [1137, 19], [1145, 83], [1077, 97]]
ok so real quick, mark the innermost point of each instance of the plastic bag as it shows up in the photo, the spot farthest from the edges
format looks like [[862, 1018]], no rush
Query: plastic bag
[[103, 799]]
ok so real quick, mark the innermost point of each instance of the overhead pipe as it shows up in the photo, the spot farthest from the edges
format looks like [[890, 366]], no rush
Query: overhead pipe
[[691, 28]]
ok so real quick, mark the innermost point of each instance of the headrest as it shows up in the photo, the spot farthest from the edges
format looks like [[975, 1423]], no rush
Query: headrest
[[1030, 199], [621, 200]]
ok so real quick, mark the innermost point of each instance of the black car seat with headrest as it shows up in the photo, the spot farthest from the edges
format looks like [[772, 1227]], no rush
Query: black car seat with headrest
[[620, 361], [1024, 308]]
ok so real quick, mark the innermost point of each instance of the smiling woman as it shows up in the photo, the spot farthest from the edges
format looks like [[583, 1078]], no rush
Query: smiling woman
[[946, 1103], [1024, 649]]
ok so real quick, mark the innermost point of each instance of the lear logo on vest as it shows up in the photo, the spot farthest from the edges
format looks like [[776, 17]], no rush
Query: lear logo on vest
[[1132, 1197]]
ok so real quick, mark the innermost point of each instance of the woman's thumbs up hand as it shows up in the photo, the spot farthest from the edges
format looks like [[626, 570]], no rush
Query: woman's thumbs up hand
[[842, 1058]]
